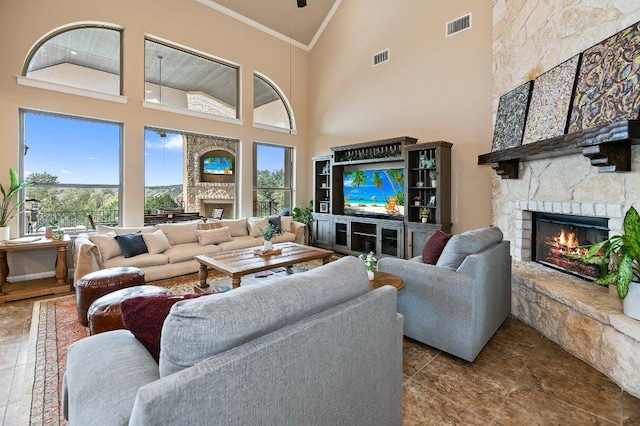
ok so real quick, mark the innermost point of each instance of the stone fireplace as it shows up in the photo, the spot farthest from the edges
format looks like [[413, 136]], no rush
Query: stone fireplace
[[207, 193]]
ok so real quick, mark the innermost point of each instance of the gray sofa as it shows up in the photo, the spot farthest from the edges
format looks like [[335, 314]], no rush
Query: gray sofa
[[457, 304], [314, 348], [181, 243]]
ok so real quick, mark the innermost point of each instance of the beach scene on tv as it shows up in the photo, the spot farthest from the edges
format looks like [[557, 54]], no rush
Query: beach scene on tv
[[218, 165], [374, 192]]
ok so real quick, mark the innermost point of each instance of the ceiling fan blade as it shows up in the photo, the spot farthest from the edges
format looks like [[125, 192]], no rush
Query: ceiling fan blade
[[302, 3]]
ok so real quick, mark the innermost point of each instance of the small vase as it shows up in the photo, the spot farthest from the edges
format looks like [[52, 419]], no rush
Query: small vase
[[433, 183], [631, 303], [416, 203], [370, 274], [48, 232], [268, 245], [5, 233], [57, 235], [424, 219]]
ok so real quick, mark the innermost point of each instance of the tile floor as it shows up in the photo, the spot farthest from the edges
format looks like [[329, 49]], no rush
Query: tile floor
[[520, 378]]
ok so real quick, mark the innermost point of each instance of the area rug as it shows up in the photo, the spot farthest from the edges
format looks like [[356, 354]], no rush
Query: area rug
[[55, 326]]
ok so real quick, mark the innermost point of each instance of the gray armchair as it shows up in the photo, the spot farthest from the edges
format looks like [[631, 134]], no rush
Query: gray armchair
[[459, 303]]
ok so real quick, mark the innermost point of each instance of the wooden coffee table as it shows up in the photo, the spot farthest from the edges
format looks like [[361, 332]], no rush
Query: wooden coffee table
[[241, 262], [385, 278]]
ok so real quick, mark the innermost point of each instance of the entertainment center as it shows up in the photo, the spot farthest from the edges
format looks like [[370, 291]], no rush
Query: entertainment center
[[373, 196]]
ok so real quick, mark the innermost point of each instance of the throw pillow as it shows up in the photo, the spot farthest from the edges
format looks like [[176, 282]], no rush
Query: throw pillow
[[131, 244], [156, 242], [103, 229], [107, 245], [238, 227], [213, 236], [181, 232], [462, 245], [256, 224], [144, 316], [434, 246], [275, 221]]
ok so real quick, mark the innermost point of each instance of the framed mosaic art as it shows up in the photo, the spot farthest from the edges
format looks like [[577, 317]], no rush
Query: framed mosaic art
[[608, 86], [550, 102], [511, 117]]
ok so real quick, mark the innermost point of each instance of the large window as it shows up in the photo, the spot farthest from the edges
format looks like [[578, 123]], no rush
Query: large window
[[163, 170], [185, 80], [269, 106], [75, 165], [84, 57], [272, 178]]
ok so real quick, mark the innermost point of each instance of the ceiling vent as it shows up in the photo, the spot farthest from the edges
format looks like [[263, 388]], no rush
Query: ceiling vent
[[458, 25], [381, 57]]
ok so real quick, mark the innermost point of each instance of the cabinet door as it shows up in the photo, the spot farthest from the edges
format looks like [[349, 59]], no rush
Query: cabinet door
[[342, 233], [391, 241], [322, 230], [417, 237]]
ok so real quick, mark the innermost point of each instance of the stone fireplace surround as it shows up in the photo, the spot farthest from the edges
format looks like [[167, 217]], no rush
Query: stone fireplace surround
[[582, 317]]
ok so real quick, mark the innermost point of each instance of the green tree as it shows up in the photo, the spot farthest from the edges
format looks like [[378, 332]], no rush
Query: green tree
[[357, 179], [161, 202]]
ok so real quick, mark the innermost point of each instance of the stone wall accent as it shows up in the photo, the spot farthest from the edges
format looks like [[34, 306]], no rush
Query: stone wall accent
[[198, 191], [582, 317]]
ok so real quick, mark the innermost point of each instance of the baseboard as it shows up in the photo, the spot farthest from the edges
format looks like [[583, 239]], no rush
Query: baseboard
[[38, 276]]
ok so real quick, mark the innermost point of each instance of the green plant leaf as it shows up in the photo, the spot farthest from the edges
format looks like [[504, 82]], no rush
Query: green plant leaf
[[625, 274], [608, 279], [631, 237]]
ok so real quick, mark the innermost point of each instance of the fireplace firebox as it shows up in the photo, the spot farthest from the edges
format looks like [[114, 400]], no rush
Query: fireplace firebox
[[557, 235]]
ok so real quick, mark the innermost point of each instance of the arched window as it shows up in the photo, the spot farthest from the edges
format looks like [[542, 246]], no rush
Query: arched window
[[84, 56], [270, 107]]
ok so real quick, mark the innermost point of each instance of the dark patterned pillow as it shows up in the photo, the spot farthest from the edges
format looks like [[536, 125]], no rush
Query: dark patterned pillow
[[434, 247], [276, 221], [131, 244], [144, 317]]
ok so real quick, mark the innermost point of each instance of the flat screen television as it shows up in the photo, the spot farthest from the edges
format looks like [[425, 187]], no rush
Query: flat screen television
[[375, 192], [217, 165]]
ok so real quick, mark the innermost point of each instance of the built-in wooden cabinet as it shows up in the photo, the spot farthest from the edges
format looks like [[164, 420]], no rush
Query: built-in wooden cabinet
[[427, 187]]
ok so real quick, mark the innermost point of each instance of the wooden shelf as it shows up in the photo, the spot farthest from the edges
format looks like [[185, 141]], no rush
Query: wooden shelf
[[385, 150], [608, 147], [33, 288]]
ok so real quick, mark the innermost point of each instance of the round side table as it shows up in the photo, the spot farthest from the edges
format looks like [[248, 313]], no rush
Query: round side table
[[385, 278]]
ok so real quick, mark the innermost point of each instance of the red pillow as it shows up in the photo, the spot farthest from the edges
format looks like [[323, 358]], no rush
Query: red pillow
[[434, 246], [144, 317]]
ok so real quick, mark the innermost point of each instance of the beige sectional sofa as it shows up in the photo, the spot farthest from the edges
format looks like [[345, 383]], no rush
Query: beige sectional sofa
[[172, 246]]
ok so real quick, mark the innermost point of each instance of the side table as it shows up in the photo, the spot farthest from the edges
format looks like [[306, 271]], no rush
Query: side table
[[385, 278], [40, 287]]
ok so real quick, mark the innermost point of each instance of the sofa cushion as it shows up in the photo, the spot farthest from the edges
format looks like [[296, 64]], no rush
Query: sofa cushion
[[185, 252], [141, 261], [131, 244], [213, 236], [462, 245], [107, 245], [284, 237], [144, 316], [198, 329], [156, 241], [256, 224], [241, 242], [238, 227], [434, 247], [180, 233], [103, 229]]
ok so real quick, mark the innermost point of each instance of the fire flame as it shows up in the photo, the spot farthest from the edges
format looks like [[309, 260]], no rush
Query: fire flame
[[565, 242]]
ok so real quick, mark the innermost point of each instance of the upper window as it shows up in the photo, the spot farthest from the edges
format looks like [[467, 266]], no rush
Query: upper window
[[269, 106], [177, 78], [85, 57], [75, 167]]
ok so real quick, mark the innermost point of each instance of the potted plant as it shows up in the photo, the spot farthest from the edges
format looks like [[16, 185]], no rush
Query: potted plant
[[304, 216], [268, 232], [433, 174], [416, 200], [619, 263], [371, 262], [8, 210], [424, 214]]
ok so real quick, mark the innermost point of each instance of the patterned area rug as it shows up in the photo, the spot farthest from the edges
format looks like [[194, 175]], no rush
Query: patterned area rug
[[55, 326]]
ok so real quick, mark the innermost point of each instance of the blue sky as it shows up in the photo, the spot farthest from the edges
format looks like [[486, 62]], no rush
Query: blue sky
[[86, 152]]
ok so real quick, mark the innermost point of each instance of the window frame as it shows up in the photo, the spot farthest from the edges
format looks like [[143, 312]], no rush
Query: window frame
[[21, 149], [202, 55], [285, 101], [288, 174], [64, 88]]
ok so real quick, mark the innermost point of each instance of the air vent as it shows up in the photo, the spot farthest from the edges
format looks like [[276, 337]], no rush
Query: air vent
[[458, 25], [381, 57]]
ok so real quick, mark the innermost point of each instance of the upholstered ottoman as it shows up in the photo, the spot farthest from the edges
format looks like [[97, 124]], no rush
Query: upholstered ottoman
[[104, 314], [96, 284]]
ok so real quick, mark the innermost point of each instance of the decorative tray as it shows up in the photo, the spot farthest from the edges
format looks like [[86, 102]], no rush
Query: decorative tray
[[262, 253]]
